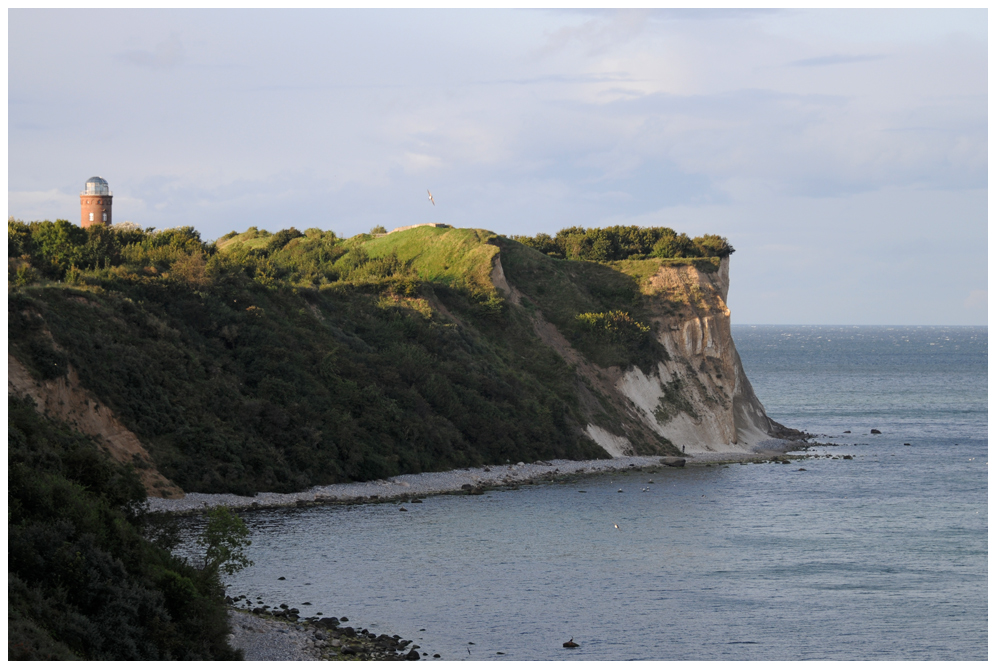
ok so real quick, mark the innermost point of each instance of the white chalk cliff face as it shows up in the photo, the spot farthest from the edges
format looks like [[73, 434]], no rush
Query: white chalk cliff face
[[700, 398], [696, 397]]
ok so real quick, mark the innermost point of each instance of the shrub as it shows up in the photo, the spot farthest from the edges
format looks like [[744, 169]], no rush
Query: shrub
[[619, 243], [82, 581], [615, 326]]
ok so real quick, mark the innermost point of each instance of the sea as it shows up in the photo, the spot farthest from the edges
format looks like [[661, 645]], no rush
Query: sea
[[879, 557]]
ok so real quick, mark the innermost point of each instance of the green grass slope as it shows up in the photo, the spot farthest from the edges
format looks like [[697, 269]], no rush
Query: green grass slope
[[458, 257]]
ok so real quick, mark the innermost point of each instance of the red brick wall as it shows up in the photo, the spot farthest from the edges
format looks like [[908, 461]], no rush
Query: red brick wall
[[98, 205]]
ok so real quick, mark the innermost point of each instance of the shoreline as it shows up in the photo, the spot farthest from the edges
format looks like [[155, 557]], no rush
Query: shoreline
[[467, 480], [262, 637], [266, 637]]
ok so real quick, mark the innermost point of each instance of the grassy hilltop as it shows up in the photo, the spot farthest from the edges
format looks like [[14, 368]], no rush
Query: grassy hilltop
[[281, 361]]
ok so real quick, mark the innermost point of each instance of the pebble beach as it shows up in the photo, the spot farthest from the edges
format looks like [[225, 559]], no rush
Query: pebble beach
[[436, 483]]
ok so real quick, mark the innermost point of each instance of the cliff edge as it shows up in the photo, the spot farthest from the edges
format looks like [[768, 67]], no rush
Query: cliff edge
[[693, 393]]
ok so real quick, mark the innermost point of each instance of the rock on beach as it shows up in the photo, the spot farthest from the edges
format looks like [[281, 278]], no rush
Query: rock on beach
[[262, 638]]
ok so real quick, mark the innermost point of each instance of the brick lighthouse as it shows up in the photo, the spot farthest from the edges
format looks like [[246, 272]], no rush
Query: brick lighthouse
[[95, 203]]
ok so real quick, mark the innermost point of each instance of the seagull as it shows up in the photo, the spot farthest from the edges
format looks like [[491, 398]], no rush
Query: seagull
[[431, 197], [617, 527]]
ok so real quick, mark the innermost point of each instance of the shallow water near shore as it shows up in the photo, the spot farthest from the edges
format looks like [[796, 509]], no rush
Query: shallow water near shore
[[880, 557]]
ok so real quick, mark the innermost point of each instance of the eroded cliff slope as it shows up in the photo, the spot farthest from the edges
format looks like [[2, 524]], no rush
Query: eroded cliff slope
[[691, 393]]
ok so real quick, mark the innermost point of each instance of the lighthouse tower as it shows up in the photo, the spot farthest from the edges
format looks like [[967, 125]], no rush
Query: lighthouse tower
[[95, 203]]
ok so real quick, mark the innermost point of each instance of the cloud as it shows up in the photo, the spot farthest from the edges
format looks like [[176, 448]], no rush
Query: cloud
[[598, 35], [418, 163], [167, 54], [976, 300], [836, 59], [39, 205]]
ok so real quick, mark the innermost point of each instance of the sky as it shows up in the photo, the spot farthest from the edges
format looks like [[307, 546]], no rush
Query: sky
[[843, 153]]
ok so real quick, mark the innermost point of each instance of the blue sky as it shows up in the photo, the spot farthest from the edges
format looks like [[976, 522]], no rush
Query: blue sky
[[842, 152]]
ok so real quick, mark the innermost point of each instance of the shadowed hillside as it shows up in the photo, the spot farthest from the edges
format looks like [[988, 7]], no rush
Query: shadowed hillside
[[281, 361]]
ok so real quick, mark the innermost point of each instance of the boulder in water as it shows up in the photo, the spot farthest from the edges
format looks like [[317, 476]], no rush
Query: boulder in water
[[673, 461]]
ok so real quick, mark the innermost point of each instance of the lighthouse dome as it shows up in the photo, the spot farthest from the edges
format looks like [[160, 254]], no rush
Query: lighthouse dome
[[97, 186]]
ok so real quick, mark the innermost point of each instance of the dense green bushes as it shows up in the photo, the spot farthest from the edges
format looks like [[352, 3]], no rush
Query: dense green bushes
[[282, 361], [616, 326], [618, 243], [601, 311], [247, 367], [82, 582]]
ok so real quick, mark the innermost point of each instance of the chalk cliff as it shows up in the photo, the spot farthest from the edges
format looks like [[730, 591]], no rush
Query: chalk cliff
[[696, 395]]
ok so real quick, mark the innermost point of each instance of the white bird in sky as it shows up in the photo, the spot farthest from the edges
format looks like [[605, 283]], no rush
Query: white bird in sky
[[431, 197]]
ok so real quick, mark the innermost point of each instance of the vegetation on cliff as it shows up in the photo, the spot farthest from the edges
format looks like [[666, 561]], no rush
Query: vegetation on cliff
[[620, 243], [82, 581], [281, 361]]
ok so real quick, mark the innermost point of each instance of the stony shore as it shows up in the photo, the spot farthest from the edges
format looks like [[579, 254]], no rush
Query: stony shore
[[263, 637], [453, 481]]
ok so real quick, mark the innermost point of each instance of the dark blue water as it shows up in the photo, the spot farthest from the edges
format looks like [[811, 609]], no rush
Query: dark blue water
[[880, 557]]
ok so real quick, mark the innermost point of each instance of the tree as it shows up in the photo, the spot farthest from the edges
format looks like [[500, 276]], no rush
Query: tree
[[224, 539], [18, 238]]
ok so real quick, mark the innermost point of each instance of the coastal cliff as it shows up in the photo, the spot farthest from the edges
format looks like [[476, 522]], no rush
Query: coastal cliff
[[277, 362], [694, 394]]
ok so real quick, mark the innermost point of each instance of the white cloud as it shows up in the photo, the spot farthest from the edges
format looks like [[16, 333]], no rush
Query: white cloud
[[419, 163], [976, 300], [168, 53], [40, 205]]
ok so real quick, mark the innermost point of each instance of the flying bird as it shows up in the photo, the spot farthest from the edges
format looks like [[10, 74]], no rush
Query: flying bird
[[431, 197]]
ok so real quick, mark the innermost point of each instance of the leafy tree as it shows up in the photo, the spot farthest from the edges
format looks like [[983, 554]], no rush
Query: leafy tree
[[19, 240], [224, 540], [56, 245], [619, 243], [281, 238], [714, 245]]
